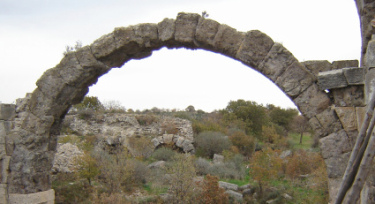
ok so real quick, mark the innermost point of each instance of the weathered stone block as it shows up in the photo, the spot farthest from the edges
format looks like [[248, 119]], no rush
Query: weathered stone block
[[316, 66], [3, 194], [360, 115], [228, 40], [355, 75], [179, 142], [228, 186], [335, 144], [344, 63], [218, 159], [147, 35], [235, 195], [312, 101], [156, 142], [168, 138], [104, 46], [5, 169], [166, 29], [254, 48], [206, 32], [332, 79], [45, 197], [7, 111], [336, 165], [349, 96], [276, 62], [347, 116], [295, 79], [329, 120], [186, 25]]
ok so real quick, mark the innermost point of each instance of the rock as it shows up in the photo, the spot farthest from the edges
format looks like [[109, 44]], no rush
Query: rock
[[64, 158], [246, 186], [157, 165], [271, 201], [285, 154], [248, 192], [287, 197], [228, 186], [233, 194], [218, 159]]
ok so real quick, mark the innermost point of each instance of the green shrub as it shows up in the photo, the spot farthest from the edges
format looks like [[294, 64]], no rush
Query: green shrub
[[202, 166], [86, 114], [164, 154], [210, 143], [146, 119]]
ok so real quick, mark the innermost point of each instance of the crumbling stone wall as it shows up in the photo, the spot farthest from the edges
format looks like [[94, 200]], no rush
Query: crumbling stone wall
[[38, 118]]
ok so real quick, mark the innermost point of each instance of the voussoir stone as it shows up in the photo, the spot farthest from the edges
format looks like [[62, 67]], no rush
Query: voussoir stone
[[166, 29], [295, 79], [276, 61], [316, 66], [254, 48], [312, 101], [186, 24], [228, 40], [206, 32], [329, 120], [347, 116]]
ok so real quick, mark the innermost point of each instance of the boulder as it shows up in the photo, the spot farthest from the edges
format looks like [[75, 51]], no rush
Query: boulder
[[218, 159], [64, 158], [228, 186], [157, 165], [233, 194]]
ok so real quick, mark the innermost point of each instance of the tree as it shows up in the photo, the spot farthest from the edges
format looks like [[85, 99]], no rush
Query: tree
[[182, 184], [264, 166], [210, 143], [211, 192], [190, 109], [86, 167], [300, 124], [244, 143], [251, 113], [282, 117], [90, 102]]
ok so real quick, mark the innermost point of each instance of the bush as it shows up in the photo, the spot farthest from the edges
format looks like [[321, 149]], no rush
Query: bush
[[202, 166], [244, 143], [302, 163], [210, 143], [146, 119], [211, 192], [86, 114], [169, 127], [142, 146], [164, 154], [90, 102]]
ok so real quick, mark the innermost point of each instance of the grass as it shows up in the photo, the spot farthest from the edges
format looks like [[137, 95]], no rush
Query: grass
[[238, 182], [307, 140]]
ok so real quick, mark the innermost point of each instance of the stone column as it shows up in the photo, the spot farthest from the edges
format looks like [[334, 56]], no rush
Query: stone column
[[7, 114], [368, 189]]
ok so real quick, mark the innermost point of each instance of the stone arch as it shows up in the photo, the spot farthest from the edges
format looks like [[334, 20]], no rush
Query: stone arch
[[38, 118]]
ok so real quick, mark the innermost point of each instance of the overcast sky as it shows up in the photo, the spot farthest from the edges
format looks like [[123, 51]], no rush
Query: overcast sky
[[34, 33]]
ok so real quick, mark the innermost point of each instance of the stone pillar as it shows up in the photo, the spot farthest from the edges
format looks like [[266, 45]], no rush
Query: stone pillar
[[370, 69], [7, 114], [369, 89]]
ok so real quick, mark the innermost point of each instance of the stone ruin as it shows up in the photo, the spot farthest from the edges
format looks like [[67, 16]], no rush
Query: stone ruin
[[330, 95]]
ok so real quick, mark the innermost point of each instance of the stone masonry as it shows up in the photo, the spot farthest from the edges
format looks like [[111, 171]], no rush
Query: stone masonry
[[29, 129]]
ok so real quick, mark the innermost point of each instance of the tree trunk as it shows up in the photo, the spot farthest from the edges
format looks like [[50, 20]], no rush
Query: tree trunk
[[300, 139]]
